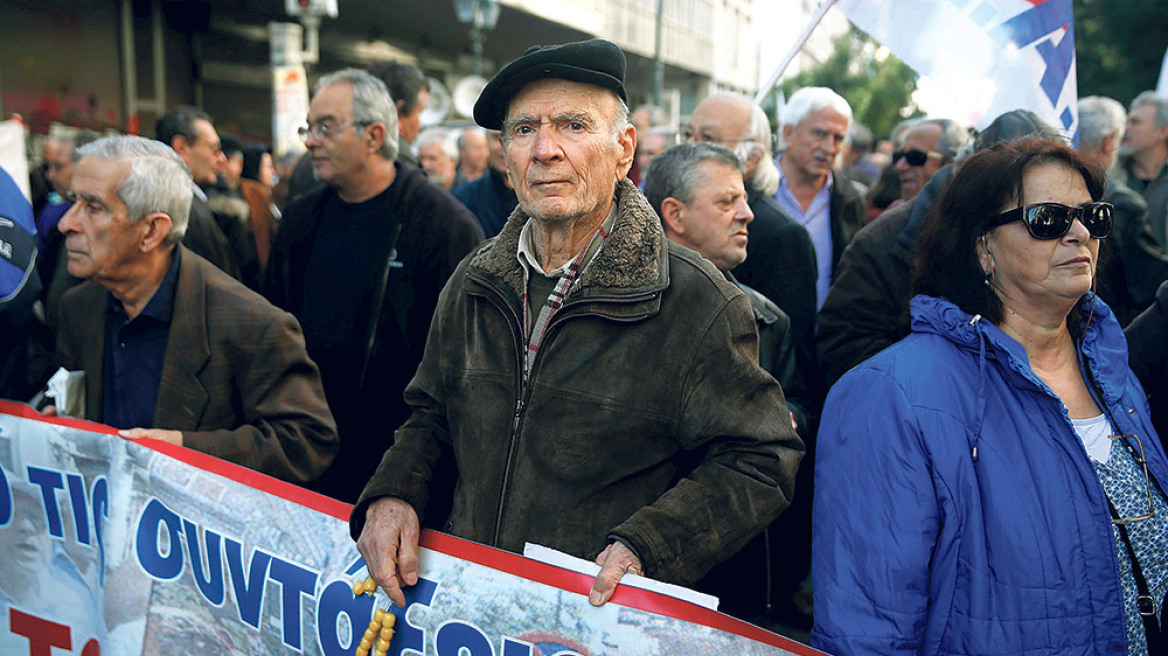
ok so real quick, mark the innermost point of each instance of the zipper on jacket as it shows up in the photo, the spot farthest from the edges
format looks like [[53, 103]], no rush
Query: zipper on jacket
[[523, 389], [513, 322]]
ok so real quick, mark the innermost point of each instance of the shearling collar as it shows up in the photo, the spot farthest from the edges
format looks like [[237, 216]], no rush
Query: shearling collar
[[634, 257]]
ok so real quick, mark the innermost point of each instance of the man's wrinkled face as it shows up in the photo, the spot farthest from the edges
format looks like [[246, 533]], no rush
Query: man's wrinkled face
[[341, 155], [60, 168], [202, 153], [714, 222], [1142, 133], [561, 154], [650, 146], [923, 139], [436, 164], [232, 169], [101, 242], [409, 125], [814, 144], [475, 152]]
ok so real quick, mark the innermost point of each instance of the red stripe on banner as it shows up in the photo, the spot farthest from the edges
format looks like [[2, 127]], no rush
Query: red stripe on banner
[[626, 596], [498, 559], [238, 473], [17, 409]]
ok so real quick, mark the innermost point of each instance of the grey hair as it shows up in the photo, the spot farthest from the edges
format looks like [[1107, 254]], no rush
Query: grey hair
[[674, 173], [765, 177], [1099, 116], [620, 120], [657, 115], [158, 180], [952, 141], [1159, 102], [372, 103], [813, 99], [441, 137], [462, 136]]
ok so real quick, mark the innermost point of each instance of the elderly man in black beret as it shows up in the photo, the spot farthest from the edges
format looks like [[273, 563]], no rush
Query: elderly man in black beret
[[597, 385]]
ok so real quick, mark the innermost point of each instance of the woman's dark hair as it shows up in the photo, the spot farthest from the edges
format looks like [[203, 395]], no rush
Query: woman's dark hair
[[253, 154], [985, 184]]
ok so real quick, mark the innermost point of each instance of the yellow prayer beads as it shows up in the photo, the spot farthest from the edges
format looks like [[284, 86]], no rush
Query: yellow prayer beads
[[380, 627]]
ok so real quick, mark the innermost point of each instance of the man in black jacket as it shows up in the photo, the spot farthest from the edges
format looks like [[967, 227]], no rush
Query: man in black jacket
[[361, 262], [190, 133], [697, 189], [781, 265], [1137, 263]]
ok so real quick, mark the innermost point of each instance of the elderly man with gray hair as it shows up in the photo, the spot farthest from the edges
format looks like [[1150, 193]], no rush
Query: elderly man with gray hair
[[782, 264], [1143, 158], [597, 384], [361, 262], [1138, 264], [697, 189], [173, 348]]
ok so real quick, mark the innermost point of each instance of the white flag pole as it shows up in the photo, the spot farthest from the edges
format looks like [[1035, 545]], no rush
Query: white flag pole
[[774, 79]]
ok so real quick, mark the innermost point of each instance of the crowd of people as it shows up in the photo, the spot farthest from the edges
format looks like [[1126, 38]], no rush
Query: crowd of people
[[879, 383]]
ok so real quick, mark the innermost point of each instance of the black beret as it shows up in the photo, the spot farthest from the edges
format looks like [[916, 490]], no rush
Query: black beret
[[596, 62]]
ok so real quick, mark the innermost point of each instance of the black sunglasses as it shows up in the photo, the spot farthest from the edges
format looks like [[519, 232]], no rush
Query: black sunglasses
[[915, 157], [1053, 220]]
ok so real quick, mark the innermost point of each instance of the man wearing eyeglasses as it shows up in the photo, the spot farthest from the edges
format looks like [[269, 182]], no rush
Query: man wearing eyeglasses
[[782, 264], [918, 159], [361, 262], [189, 132]]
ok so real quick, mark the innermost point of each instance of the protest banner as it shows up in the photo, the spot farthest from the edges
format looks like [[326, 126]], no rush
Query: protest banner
[[109, 546], [990, 56]]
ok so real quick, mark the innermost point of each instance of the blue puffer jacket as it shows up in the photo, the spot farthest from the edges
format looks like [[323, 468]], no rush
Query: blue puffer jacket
[[922, 548]]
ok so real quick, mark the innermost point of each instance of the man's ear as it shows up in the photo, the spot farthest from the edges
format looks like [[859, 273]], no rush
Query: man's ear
[[1108, 144], [671, 214], [180, 145], [156, 228], [787, 130], [376, 133], [627, 143]]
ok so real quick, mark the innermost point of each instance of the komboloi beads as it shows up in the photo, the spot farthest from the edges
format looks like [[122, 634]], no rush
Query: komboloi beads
[[380, 627]]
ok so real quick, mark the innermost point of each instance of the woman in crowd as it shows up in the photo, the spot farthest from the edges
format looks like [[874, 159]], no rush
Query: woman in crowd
[[992, 484], [255, 186]]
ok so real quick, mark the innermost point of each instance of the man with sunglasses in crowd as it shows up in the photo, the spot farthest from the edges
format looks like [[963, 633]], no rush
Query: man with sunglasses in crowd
[[867, 307], [928, 145], [360, 262]]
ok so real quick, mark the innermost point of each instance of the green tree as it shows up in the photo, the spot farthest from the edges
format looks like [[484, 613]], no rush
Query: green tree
[[1119, 46], [879, 89]]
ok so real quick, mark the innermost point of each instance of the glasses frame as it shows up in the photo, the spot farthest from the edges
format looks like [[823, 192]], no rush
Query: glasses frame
[[322, 131], [1028, 215], [1143, 462], [922, 157], [687, 135]]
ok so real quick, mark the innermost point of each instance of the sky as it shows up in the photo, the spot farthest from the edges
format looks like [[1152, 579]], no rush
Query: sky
[[779, 24]]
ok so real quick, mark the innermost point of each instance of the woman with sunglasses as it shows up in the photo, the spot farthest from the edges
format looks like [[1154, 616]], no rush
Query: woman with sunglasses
[[992, 484]]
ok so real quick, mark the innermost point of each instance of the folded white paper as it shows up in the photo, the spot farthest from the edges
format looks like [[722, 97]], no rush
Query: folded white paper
[[67, 389], [560, 559]]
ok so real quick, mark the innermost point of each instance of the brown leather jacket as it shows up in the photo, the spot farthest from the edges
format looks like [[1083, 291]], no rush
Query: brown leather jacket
[[647, 417]]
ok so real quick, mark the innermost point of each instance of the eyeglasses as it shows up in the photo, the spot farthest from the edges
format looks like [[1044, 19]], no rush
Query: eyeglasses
[[1140, 460], [1053, 220], [689, 135], [915, 157], [322, 130]]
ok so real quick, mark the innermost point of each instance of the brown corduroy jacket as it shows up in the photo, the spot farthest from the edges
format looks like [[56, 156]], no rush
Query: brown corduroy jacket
[[646, 418], [236, 379]]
